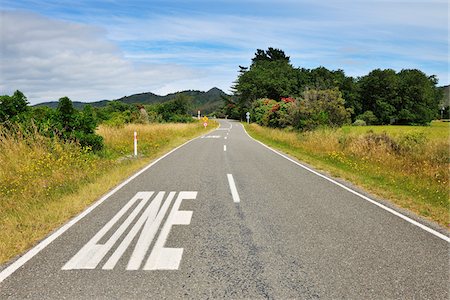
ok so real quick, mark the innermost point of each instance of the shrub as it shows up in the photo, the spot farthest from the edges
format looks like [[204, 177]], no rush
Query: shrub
[[368, 117], [359, 123]]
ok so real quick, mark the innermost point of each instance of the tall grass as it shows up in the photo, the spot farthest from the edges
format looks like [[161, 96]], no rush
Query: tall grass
[[151, 138], [44, 182], [408, 167]]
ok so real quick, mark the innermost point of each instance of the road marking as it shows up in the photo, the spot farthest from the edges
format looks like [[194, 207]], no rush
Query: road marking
[[225, 137], [394, 212], [93, 252], [147, 235], [162, 258], [211, 137], [224, 147], [42, 245], [234, 192]]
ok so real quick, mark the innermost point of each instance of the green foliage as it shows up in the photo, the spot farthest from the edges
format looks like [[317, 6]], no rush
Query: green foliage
[[270, 76], [78, 126], [315, 108], [322, 107], [407, 97], [368, 117], [381, 97], [13, 107], [268, 112], [176, 110], [359, 123]]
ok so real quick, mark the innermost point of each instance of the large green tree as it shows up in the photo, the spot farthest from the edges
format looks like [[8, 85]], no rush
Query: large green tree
[[418, 99], [407, 97], [270, 75], [379, 94]]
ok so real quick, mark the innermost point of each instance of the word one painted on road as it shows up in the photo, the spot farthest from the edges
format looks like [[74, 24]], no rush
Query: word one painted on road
[[147, 217]]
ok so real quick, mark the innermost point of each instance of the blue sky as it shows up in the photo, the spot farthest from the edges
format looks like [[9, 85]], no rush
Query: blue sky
[[93, 50]]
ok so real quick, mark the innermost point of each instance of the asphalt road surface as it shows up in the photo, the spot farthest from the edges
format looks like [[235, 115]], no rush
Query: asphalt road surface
[[225, 217]]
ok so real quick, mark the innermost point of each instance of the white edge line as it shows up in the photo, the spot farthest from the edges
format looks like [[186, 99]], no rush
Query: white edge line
[[36, 249], [234, 192], [394, 212]]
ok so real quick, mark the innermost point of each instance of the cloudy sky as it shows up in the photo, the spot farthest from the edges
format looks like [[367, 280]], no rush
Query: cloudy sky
[[91, 50]]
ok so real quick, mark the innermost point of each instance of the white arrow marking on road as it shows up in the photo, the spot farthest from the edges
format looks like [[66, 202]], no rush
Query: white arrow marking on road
[[234, 192]]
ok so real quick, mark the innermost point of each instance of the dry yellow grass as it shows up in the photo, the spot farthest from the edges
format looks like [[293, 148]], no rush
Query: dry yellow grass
[[44, 182], [408, 168]]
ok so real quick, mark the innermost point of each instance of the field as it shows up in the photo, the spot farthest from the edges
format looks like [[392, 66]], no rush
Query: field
[[407, 165], [44, 182]]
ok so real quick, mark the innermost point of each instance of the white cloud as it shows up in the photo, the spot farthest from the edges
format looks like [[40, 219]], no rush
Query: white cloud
[[47, 59], [122, 54]]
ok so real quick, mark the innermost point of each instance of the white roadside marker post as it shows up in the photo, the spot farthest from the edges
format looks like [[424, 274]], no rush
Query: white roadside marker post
[[135, 143]]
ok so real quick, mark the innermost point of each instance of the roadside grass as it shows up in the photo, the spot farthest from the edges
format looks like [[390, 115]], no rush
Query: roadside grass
[[44, 183], [407, 165]]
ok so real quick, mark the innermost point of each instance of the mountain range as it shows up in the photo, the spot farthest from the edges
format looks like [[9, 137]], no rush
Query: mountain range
[[206, 102]]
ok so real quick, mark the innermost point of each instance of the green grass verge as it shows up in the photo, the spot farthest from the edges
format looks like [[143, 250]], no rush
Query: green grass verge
[[414, 176]]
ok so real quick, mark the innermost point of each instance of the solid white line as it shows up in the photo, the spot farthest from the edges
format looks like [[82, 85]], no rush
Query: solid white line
[[394, 212], [224, 147], [35, 250], [233, 189]]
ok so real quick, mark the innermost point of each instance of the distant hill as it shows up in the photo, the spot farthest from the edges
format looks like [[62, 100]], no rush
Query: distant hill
[[76, 104], [206, 102]]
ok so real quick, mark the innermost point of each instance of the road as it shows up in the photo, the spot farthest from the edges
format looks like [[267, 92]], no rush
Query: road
[[225, 217]]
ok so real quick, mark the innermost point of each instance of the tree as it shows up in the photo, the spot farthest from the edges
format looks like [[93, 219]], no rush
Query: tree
[[419, 98], [379, 93], [76, 126], [271, 54], [176, 110], [270, 76], [66, 114], [11, 107], [407, 97]]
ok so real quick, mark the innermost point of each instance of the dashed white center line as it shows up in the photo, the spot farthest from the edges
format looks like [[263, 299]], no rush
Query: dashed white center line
[[225, 137], [233, 189], [224, 147]]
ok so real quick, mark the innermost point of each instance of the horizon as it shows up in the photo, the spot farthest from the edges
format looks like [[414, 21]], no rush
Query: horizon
[[141, 93], [106, 49]]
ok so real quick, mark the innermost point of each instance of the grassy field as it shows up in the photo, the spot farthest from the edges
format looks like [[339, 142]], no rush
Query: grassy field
[[407, 165], [44, 182]]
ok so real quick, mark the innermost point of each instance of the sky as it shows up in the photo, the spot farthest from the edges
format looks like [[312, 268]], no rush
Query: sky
[[90, 50]]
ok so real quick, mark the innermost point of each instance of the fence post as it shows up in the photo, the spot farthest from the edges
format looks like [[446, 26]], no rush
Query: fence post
[[135, 143]]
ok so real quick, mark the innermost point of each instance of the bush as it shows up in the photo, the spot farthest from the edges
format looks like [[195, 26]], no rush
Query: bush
[[368, 117], [322, 107], [359, 123], [90, 141]]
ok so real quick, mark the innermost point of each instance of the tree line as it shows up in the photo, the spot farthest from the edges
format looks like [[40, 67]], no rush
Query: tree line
[[69, 124], [279, 95]]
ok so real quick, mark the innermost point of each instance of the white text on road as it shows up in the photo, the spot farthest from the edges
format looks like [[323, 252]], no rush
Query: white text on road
[[91, 254]]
